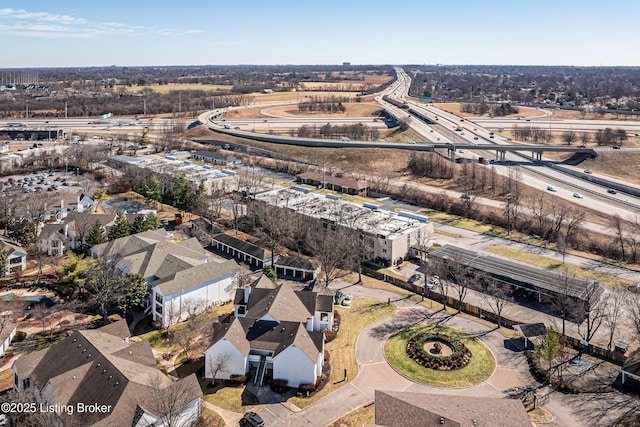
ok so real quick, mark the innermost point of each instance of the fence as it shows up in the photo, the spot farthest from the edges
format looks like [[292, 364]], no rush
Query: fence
[[593, 350]]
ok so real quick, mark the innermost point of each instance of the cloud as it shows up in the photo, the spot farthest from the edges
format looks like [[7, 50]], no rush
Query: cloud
[[19, 22]]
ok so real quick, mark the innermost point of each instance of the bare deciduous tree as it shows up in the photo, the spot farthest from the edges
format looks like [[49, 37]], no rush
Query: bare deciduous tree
[[217, 365], [613, 303]]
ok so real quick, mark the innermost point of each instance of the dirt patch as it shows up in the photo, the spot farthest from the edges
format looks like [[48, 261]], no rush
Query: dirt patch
[[456, 108], [622, 165], [351, 110]]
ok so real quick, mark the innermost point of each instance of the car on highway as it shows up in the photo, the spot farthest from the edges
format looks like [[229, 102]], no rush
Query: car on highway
[[551, 188], [589, 171], [616, 147], [612, 191], [578, 196], [475, 138]]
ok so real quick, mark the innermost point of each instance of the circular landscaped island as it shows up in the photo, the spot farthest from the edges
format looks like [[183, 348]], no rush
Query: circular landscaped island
[[439, 356]]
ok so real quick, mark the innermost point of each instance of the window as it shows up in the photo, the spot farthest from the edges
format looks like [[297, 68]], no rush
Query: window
[[159, 309], [159, 298], [324, 317], [384, 251], [242, 309], [26, 383]]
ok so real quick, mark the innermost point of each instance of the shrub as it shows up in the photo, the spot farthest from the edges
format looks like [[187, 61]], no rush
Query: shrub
[[19, 337], [460, 357]]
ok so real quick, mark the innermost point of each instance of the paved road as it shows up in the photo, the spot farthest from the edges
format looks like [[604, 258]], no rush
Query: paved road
[[375, 373]]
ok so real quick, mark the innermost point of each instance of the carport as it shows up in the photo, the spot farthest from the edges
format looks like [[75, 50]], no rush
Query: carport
[[530, 331]]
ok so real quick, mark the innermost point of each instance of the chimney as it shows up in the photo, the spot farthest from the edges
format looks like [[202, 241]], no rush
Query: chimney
[[61, 204], [247, 291], [65, 230]]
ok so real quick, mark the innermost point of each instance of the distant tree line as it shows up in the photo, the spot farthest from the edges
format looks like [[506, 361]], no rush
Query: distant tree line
[[356, 131]]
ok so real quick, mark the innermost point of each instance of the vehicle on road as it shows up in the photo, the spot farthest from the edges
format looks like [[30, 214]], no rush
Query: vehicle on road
[[345, 139], [475, 138], [612, 191], [251, 419], [616, 147], [465, 196], [589, 171], [551, 188], [578, 196]]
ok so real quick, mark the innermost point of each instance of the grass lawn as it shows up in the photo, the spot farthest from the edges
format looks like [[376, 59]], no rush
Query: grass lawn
[[555, 265], [175, 86], [211, 418], [342, 351], [6, 380], [357, 418], [234, 399], [479, 369]]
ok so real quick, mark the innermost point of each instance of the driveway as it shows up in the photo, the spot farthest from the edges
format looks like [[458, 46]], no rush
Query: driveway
[[375, 373]]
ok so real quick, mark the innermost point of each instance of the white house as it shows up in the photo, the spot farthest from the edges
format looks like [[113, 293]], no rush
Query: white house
[[6, 335], [99, 367], [194, 289], [16, 255], [182, 276], [278, 332]]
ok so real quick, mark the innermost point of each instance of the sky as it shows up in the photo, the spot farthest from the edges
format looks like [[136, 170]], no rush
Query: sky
[[78, 33]]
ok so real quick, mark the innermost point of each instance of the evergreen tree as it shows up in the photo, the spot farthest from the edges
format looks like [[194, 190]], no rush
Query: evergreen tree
[[151, 222], [152, 189], [96, 235], [267, 270], [22, 231], [137, 291], [138, 225], [121, 227], [99, 197]]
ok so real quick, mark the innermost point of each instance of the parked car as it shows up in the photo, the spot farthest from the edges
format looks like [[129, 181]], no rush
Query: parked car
[[336, 297], [414, 278], [347, 300], [433, 282], [252, 419]]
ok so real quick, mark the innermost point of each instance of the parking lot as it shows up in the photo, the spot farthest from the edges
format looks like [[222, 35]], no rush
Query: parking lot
[[38, 182]]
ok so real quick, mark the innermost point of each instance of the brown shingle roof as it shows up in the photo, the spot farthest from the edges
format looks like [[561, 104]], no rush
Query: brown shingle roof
[[99, 367], [404, 409]]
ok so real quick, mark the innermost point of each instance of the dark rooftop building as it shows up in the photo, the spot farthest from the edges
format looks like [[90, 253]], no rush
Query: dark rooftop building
[[403, 409]]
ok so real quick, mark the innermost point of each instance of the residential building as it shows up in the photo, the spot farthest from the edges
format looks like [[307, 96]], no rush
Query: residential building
[[182, 277], [71, 233], [99, 369], [68, 203], [276, 331], [393, 235], [7, 332], [215, 158], [405, 409], [16, 255], [357, 187]]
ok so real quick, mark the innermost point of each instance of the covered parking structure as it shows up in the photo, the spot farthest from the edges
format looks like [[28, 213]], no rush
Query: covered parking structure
[[541, 283]]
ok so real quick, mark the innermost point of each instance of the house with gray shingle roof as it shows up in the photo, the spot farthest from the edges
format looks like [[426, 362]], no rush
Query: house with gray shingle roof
[[182, 276], [277, 331], [99, 367]]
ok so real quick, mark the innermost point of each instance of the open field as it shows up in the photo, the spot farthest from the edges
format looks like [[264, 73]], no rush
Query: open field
[[173, 87], [456, 108], [577, 115], [623, 166], [291, 111]]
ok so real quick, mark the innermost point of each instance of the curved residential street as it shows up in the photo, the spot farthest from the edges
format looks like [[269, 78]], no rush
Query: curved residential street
[[375, 373]]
